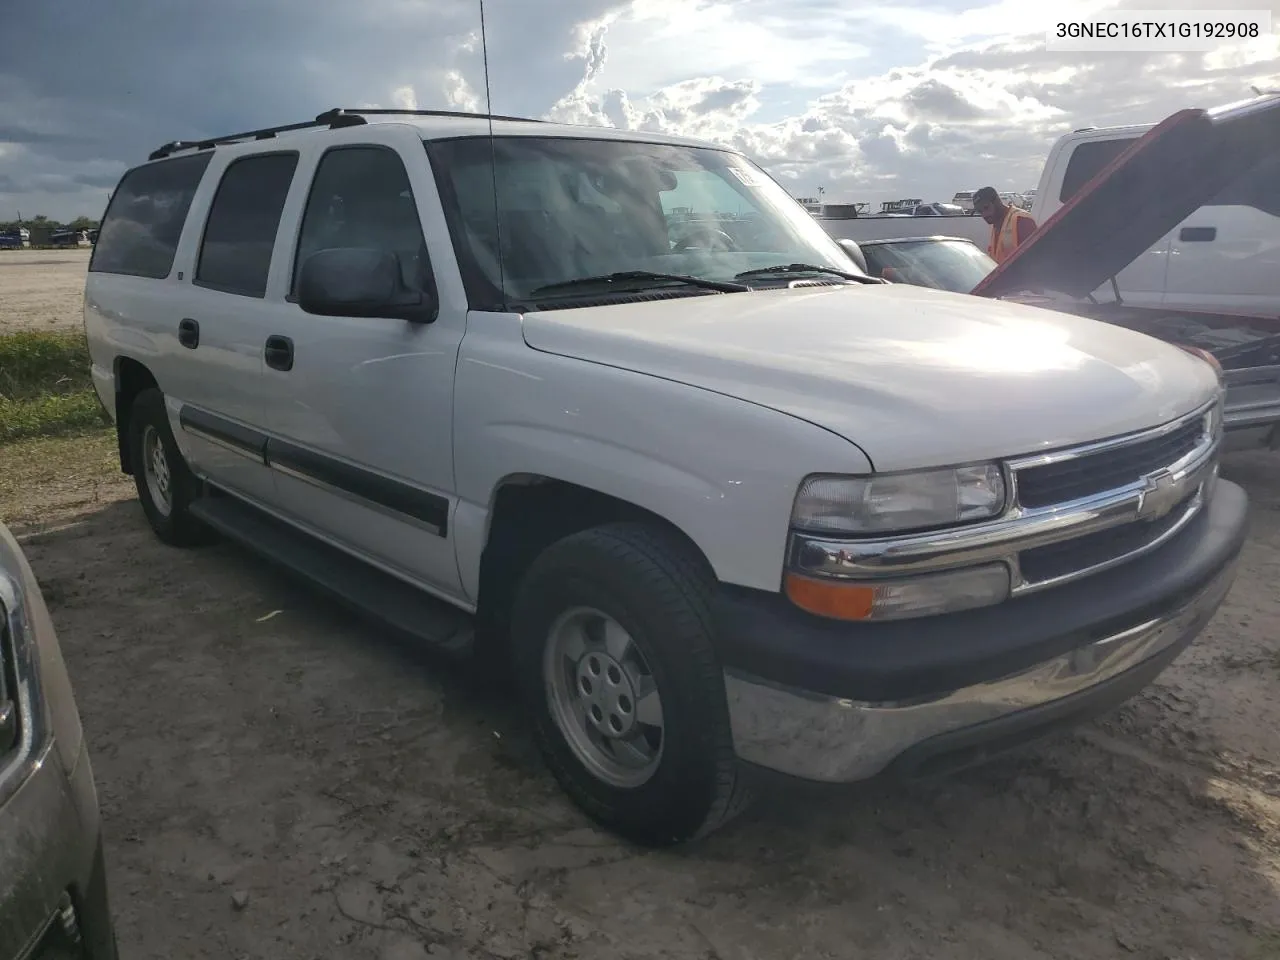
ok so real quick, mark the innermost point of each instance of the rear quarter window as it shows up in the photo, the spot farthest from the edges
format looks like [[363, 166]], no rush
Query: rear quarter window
[[140, 231]]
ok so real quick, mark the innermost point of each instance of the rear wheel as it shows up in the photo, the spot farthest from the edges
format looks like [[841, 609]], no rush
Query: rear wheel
[[614, 658], [166, 486]]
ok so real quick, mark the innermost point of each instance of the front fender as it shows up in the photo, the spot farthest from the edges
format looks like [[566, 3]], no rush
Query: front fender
[[722, 470]]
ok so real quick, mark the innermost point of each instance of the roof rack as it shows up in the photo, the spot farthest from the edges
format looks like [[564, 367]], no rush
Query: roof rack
[[334, 119]]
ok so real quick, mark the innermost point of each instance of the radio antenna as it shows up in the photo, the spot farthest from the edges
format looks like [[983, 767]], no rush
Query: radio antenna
[[493, 156]]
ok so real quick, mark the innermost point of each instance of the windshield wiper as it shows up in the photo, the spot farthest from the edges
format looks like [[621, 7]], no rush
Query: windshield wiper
[[630, 276], [784, 268]]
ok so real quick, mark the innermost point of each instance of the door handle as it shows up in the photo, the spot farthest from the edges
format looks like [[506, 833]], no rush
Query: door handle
[[279, 352], [189, 333], [1198, 234]]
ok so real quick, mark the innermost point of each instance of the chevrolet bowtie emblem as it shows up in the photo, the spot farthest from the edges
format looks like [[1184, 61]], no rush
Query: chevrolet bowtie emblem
[[1160, 493]]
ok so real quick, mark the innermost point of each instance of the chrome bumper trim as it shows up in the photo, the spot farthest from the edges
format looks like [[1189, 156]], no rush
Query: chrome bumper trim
[[1183, 485], [835, 740]]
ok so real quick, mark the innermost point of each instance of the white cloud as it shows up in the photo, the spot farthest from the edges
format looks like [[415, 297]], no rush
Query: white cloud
[[459, 95], [980, 112]]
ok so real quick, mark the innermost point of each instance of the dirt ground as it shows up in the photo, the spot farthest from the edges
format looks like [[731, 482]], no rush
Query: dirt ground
[[42, 289], [279, 780]]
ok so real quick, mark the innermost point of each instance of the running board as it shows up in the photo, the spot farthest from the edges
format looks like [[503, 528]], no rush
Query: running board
[[355, 584]]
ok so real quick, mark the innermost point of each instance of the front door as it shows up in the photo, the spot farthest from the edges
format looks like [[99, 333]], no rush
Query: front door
[[361, 412]]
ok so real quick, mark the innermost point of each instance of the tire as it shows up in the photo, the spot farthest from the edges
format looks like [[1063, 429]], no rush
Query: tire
[[653, 586], [149, 431]]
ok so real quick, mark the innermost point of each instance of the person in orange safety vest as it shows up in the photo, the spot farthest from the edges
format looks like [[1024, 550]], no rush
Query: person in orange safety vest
[[1010, 227]]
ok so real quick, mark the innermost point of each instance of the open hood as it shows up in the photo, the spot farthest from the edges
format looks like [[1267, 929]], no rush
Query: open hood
[[1177, 167]]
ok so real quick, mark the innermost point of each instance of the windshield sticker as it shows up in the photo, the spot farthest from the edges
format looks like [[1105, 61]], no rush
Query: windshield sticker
[[748, 177]]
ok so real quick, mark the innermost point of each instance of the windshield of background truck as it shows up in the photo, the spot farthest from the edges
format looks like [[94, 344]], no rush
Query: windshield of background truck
[[568, 208], [954, 265]]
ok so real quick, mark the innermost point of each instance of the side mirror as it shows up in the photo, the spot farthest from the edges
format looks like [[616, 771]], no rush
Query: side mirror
[[854, 253], [360, 282]]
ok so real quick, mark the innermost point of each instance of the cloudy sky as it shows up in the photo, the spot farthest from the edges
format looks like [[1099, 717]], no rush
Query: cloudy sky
[[870, 101]]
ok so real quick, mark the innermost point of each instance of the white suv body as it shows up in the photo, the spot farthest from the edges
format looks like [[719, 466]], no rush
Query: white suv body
[[714, 522]]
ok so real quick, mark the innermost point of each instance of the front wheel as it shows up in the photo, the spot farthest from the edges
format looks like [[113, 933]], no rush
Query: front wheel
[[613, 654]]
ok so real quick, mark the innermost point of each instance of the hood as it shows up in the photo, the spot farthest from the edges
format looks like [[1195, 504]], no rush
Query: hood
[[915, 377], [1164, 176]]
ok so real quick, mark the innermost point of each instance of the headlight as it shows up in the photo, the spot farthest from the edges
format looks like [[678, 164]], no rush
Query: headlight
[[896, 502]]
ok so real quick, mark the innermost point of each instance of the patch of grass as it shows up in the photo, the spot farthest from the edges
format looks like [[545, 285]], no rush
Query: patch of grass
[[34, 363], [59, 472], [49, 415], [45, 387]]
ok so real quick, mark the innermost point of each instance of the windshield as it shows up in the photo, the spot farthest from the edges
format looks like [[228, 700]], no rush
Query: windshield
[[955, 265], [569, 208]]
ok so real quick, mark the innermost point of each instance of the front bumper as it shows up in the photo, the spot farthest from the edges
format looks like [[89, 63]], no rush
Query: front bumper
[[53, 890], [839, 702]]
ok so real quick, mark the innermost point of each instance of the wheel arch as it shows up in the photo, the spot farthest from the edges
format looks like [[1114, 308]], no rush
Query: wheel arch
[[530, 511], [131, 378]]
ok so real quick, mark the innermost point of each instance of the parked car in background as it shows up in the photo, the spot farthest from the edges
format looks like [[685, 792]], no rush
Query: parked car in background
[[964, 200], [15, 239], [899, 208], [943, 263], [720, 500], [70, 238], [53, 883], [937, 210]]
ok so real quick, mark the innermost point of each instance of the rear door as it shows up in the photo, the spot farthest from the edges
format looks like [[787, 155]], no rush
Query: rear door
[[1142, 283], [135, 290], [221, 412]]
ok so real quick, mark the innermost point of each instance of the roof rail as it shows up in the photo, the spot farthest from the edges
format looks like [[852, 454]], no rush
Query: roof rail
[[333, 119], [393, 111]]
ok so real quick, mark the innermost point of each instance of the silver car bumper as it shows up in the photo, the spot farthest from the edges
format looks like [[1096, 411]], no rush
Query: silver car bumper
[[835, 740]]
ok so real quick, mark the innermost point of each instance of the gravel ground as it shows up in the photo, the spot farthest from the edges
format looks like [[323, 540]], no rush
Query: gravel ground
[[42, 289], [279, 780]]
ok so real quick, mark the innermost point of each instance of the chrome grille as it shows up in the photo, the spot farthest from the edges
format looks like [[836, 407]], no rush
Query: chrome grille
[[1069, 558], [1089, 474]]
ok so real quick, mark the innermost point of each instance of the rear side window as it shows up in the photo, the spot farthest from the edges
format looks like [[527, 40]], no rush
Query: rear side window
[[1087, 160], [235, 254], [144, 219]]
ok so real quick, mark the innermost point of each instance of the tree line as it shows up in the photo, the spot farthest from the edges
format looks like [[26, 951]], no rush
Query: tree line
[[79, 223]]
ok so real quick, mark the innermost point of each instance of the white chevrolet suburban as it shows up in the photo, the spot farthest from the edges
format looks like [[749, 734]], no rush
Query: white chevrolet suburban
[[614, 408]]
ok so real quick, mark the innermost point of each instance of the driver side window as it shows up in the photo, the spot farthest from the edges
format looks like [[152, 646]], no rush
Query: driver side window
[[361, 197]]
